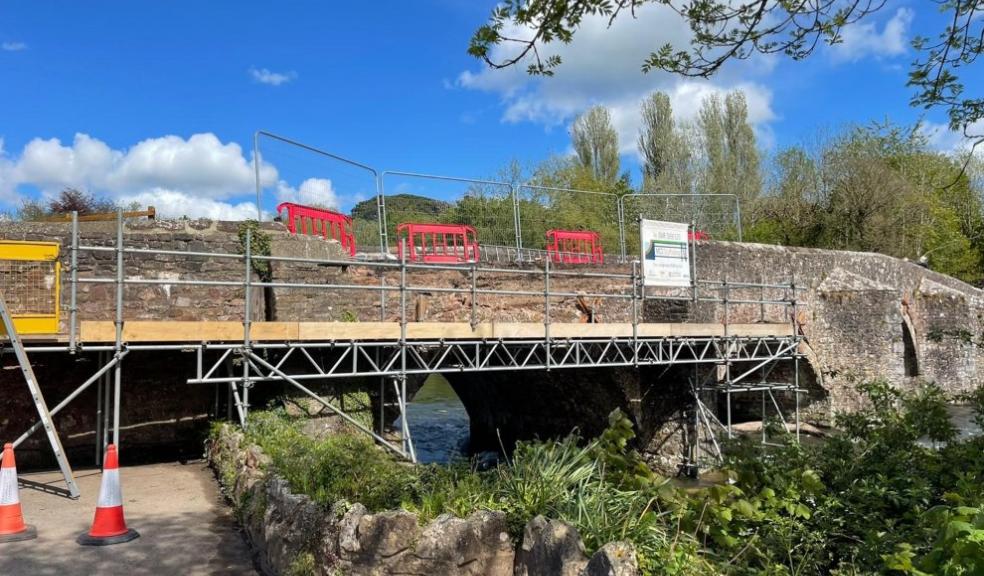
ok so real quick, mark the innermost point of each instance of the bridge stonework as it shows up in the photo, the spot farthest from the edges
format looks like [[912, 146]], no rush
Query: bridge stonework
[[863, 316]]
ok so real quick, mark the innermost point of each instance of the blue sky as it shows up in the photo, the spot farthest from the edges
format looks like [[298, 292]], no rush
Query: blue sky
[[157, 102]]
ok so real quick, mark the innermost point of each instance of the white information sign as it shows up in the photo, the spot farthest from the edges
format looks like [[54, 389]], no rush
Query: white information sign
[[665, 254]]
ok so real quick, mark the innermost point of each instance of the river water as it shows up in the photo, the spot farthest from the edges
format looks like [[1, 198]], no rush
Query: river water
[[439, 422], [962, 417]]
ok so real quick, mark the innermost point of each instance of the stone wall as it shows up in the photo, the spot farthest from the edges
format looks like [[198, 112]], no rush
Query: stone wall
[[863, 315], [166, 301], [163, 301], [288, 530]]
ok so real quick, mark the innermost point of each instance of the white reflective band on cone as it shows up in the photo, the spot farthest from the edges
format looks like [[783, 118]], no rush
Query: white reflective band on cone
[[109, 493], [8, 486]]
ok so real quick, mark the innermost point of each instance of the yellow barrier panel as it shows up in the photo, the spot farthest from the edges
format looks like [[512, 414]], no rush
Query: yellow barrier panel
[[30, 281]]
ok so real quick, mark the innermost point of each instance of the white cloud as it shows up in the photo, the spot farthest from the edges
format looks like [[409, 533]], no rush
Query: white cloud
[[13, 46], [863, 39], [603, 66], [265, 76], [201, 165], [176, 204], [313, 191], [8, 193], [179, 177], [943, 139]]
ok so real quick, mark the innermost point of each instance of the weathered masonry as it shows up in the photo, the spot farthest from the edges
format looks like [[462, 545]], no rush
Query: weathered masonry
[[786, 319]]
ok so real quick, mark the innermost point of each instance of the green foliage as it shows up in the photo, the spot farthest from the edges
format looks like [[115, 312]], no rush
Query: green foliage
[[541, 477], [623, 466], [875, 498], [957, 549], [259, 245], [729, 150], [595, 143], [877, 188], [976, 401], [345, 466], [397, 204], [303, 565], [457, 489]]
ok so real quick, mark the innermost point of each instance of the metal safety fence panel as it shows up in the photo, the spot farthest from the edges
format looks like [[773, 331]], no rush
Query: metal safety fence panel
[[29, 282], [543, 208], [485, 205], [717, 216], [290, 171]]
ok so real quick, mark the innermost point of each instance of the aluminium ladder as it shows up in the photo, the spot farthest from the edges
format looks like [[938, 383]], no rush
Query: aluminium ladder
[[38, 398]]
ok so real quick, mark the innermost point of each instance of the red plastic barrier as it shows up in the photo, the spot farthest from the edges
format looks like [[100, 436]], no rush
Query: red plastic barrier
[[319, 222], [438, 243], [697, 235], [575, 247]]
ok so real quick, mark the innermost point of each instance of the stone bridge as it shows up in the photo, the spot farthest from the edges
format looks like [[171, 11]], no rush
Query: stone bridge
[[863, 316]]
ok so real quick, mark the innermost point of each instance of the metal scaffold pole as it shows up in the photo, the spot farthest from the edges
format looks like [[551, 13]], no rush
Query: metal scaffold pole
[[546, 313], [400, 383], [118, 369], [73, 297], [99, 415], [247, 321], [517, 223]]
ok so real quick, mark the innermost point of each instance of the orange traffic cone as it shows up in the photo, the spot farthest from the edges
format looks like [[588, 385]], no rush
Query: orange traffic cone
[[109, 527], [12, 527]]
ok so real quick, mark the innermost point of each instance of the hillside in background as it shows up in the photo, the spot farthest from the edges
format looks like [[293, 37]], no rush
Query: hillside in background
[[400, 203]]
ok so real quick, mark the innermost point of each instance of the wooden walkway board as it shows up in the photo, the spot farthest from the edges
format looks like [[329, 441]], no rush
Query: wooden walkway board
[[206, 331]]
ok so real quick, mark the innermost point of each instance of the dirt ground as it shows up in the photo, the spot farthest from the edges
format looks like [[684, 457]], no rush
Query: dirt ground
[[184, 526]]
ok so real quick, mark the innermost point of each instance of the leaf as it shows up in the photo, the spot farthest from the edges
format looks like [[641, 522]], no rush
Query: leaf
[[745, 508], [802, 511]]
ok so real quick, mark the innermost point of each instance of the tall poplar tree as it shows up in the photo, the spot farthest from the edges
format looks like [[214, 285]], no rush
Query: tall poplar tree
[[596, 144]]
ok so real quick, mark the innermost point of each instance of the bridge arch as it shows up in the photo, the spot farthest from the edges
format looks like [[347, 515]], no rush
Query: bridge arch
[[910, 353]]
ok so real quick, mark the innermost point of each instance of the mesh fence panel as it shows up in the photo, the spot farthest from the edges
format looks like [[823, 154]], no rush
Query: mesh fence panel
[[543, 208], [28, 287], [715, 215], [485, 205], [295, 172]]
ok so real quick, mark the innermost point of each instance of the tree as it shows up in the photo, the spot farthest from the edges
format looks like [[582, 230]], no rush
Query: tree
[[68, 200], [664, 147], [743, 155], [656, 135], [876, 188], [790, 215], [729, 149], [596, 144], [722, 30]]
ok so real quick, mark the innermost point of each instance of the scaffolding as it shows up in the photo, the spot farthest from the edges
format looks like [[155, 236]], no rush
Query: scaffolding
[[727, 359]]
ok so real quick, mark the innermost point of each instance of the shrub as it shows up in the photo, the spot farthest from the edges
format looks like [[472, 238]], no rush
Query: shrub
[[345, 466]]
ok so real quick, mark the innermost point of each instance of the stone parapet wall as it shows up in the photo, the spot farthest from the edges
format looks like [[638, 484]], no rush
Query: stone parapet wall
[[177, 301], [864, 315], [163, 301]]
